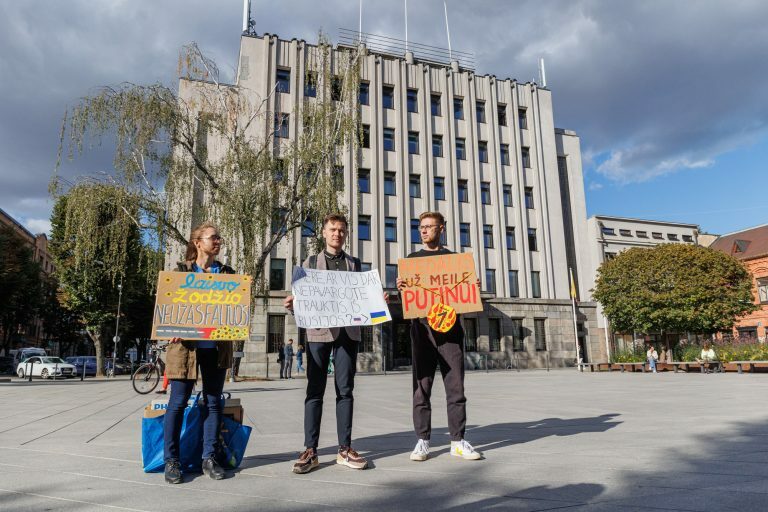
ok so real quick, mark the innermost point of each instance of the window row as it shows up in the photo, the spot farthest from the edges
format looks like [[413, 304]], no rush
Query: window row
[[517, 333], [644, 234]]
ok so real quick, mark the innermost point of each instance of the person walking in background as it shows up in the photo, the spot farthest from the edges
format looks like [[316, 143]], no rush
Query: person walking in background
[[281, 358], [183, 357], [288, 362], [300, 359], [652, 356]]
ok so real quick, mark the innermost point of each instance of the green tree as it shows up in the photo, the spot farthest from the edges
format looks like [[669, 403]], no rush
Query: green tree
[[673, 288], [95, 247], [224, 143], [21, 284]]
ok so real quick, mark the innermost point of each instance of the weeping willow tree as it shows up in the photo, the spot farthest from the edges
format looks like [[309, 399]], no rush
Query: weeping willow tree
[[213, 151]]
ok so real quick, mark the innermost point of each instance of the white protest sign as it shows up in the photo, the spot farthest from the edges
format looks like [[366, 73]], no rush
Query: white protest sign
[[325, 298]]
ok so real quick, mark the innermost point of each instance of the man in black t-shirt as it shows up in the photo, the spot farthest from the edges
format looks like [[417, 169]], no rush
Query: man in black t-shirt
[[430, 348]]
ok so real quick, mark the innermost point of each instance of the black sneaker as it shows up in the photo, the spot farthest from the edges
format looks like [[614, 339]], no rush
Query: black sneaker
[[173, 472], [212, 469]]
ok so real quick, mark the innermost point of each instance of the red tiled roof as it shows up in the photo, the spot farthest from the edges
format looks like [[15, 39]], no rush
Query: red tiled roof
[[744, 245]]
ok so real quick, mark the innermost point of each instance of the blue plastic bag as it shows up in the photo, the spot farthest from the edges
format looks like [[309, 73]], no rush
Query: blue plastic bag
[[233, 440], [190, 441]]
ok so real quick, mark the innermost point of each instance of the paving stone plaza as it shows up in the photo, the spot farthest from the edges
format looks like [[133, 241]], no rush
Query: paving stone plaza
[[555, 440]]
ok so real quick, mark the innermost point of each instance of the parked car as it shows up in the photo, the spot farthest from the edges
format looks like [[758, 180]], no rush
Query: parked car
[[89, 362], [7, 366], [23, 354], [45, 367]]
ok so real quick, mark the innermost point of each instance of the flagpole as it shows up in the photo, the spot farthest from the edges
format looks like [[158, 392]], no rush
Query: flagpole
[[575, 325]]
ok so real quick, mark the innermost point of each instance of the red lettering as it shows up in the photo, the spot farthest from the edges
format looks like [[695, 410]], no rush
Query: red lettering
[[452, 295], [408, 297], [421, 304]]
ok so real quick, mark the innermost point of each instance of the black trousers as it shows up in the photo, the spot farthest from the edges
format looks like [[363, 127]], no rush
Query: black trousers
[[318, 354], [429, 350]]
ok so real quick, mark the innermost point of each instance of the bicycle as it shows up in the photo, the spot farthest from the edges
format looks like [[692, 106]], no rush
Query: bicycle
[[147, 376]]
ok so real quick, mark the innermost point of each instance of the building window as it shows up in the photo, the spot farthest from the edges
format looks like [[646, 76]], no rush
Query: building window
[[364, 181], [464, 235], [458, 108], [366, 338], [641, 234], [389, 139], [687, 238], [310, 85], [608, 231], [413, 143], [517, 335], [529, 197], [482, 151], [413, 97], [609, 256], [390, 229], [504, 154], [278, 221], [494, 335], [414, 185], [657, 236], [525, 155], [673, 237], [336, 88], [488, 236], [507, 191], [532, 239], [470, 334], [522, 119], [762, 290], [463, 190], [275, 332], [390, 276], [434, 100], [501, 112], [276, 274], [514, 287], [511, 244], [308, 228], [490, 280], [539, 328], [389, 184], [485, 192], [625, 232], [281, 125], [536, 284], [388, 96], [437, 145], [364, 227], [366, 136], [439, 188], [415, 233], [363, 94], [461, 153], [480, 111], [283, 80], [365, 266]]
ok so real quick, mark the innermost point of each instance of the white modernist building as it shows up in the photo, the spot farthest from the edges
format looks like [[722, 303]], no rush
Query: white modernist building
[[481, 150], [610, 235]]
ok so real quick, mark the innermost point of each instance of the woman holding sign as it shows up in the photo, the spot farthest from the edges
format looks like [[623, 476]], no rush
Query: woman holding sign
[[182, 360], [437, 339]]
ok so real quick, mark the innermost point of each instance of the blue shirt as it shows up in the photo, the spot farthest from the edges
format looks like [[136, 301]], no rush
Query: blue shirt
[[215, 269]]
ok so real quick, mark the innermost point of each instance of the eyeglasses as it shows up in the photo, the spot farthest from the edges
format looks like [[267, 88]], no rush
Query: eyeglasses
[[214, 238], [428, 227]]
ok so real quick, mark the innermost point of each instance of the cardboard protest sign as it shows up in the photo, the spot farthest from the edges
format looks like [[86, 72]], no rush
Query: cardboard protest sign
[[324, 298], [447, 279], [201, 306]]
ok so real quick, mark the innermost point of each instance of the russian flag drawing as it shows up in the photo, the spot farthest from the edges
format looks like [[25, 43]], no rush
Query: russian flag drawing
[[378, 317]]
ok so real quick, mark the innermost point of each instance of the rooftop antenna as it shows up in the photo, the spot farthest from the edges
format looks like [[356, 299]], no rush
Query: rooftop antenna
[[248, 23], [542, 73], [447, 30], [406, 24], [360, 24]]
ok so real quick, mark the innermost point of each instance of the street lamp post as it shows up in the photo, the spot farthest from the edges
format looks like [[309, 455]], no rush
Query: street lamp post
[[117, 321]]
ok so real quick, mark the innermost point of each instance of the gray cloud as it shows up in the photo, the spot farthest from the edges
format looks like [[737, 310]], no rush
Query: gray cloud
[[652, 87]]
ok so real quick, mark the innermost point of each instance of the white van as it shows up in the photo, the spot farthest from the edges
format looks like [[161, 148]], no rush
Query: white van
[[24, 353]]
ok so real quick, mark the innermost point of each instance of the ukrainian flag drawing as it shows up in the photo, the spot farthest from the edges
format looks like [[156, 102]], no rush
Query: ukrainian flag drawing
[[378, 317]]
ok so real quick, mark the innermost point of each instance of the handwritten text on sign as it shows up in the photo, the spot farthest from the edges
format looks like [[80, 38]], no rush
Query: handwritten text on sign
[[200, 306], [324, 298], [449, 279]]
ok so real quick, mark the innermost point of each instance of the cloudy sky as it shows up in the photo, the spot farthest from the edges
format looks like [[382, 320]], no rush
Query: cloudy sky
[[670, 98]]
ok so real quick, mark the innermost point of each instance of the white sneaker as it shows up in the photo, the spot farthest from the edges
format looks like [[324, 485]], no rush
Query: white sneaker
[[464, 450], [421, 452]]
